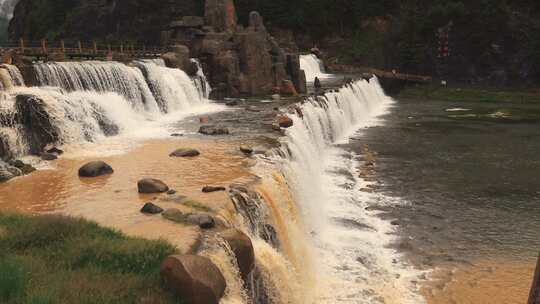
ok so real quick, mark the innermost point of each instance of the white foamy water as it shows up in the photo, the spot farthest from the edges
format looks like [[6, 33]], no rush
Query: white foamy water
[[313, 67], [105, 107], [355, 263]]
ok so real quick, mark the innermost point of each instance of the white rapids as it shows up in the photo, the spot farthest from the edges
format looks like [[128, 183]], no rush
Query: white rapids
[[355, 263]]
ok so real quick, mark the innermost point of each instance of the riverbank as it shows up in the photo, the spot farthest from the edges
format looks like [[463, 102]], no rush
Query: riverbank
[[470, 94], [56, 259]]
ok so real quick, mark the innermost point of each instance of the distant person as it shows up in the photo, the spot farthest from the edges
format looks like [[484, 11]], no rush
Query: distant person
[[317, 83]]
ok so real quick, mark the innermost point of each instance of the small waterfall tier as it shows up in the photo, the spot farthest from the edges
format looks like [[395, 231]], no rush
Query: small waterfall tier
[[313, 67]]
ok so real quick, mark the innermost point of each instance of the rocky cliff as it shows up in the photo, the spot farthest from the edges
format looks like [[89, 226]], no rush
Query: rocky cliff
[[240, 60]]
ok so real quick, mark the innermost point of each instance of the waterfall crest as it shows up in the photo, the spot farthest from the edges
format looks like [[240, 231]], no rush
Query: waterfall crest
[[99, 77], [313, 67]]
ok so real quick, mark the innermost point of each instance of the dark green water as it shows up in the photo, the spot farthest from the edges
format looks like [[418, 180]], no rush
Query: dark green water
[[470, 180]]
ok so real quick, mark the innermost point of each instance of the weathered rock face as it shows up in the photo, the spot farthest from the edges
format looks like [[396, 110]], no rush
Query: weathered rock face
[[238, 61], [220, 14], [194, 279], [38, 124]]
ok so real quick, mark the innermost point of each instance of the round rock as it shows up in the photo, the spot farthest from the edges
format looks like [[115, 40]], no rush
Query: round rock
[[185, 153], [194, 279], [203, 220], [150, 208], [152, 185], [95, 168]]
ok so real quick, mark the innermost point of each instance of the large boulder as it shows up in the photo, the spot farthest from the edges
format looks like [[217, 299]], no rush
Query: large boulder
[[95, 169], [151, 185], [178, 57], [242, 247], [194, 279], [38, 123]]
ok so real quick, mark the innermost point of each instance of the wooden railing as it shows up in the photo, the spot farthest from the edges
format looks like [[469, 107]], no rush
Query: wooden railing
[[80, 49]]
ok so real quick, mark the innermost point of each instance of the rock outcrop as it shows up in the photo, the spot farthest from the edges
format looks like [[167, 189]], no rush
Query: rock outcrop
[[39, 126], [194, 279], [243, 250]]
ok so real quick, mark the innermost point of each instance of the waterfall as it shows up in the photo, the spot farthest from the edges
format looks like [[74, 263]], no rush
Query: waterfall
[[313, 67], [356, 262], [99, 77], [91, 101], [173, 89], [10, 76]]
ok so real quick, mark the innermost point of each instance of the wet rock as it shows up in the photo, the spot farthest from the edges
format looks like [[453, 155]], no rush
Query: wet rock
[[232, 103], [151, 185], [95, 169], [178, 57], [285, 121], [177, 135], [194, 279], [253, 109], [150, 208], [39, 126], [174, 215], [204, 120], [55, 150], [185, 153], [243, 250], [203, 220], [171, 192], [288, 89], [209, 189], [213, 130], [395, 223], [5, 174], [246, 149], [48, 156], [15, 171], [25, 168]]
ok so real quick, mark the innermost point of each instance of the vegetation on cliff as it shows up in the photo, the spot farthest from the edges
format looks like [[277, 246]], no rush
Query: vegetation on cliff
[[55, 259], [494, 41], [488, 40]]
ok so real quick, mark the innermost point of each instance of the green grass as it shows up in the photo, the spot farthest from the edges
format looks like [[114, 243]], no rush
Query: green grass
[[469, 94], [55, 259], [198, 206]]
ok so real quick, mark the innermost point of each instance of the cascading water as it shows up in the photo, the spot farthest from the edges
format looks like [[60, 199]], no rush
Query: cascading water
[[98, 76], [356, 263], [313, 67], [10, 77], [173, 89], [89, 101]]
